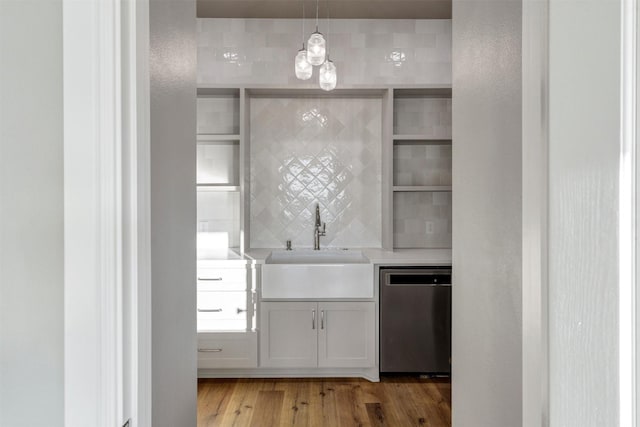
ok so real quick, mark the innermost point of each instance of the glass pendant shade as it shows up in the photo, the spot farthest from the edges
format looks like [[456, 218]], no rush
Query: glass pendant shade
[[316, 49], [328, 76], [304, 70]]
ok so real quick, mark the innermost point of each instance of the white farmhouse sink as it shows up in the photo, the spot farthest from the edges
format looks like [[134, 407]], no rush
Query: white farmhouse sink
[[317, 274], [325, 256]]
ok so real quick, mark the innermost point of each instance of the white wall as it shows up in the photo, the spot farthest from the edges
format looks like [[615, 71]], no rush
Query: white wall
[[173, 211], [584, 129], [365, 51], [487, 214], [31, 214]]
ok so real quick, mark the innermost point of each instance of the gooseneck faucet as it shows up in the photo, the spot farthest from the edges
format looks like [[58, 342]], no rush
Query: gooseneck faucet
[[317, 233]]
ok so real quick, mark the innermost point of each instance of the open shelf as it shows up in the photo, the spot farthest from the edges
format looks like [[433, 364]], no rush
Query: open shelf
[[419, 139], [421, 164], [404, 188], [217, 187], [205, 138]]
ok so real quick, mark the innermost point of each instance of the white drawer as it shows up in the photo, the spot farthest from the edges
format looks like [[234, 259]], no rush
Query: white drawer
[[220, 276], [220, 325], [228, 350], [222, 305]]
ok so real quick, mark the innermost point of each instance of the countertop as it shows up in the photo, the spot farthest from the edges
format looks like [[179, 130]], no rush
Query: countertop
[[376, 256], [223, 258], [380, 256]]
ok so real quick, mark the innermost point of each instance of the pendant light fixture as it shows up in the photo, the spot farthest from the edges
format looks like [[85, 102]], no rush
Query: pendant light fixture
[[316, 45], [304, 70], [328, 75]]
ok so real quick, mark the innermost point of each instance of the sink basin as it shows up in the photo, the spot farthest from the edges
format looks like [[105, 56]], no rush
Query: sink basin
[[308, 274], [329, 256]]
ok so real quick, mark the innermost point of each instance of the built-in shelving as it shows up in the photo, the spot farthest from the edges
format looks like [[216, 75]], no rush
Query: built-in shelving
[[405, 188], [419, 139], [420, 150], [217, 187], [218, 165], [207, 138]]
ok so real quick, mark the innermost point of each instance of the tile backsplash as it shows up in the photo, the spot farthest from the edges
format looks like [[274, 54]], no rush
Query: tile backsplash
[[305, 151], [421, 164], [218, 114], [422, 219], [430, 117], [365, 51], [220, 212]]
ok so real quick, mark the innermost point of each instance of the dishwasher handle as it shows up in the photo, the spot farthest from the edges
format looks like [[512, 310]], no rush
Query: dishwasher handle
[[417, 277]]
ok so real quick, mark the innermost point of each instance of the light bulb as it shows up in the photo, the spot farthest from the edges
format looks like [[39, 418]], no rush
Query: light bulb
[[317, 48], [304, 70], [328, 75]]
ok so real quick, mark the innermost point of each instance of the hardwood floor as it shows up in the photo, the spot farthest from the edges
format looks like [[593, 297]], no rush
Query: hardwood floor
[[328, 402]]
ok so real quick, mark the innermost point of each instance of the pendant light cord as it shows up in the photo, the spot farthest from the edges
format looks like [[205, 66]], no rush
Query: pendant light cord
[[326, 38], [302, 24], [317, 8]]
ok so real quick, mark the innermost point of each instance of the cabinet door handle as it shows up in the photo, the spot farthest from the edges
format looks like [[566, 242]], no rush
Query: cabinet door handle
[[240, 310], [209, 350], [321, 319], [210, 279], [313, 319], [209, 310]]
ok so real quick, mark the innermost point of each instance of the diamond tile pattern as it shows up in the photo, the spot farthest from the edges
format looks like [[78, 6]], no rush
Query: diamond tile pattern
[[315, 150]]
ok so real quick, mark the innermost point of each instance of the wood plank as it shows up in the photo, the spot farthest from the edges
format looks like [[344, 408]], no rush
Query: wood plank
[[404, 408], [322, 406], [439, 407], [242, 403], [295, 409], [213, 399], [377, 393], [350, 411], [444, 386], [376, 415], [324, 402], [268, 408]]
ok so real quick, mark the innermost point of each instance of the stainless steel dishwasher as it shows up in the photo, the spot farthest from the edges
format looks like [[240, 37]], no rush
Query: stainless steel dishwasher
[[415, 320]]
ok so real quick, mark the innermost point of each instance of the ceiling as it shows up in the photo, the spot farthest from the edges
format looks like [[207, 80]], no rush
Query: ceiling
[[352, 9]]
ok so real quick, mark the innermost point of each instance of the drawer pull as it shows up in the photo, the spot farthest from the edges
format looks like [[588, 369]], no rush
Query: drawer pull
[[209, 310], [210, 279], [209, 350], [239, 310]]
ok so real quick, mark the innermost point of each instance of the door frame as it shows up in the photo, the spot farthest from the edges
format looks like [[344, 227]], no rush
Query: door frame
[[107, 286], [106, 169], [536, 216]]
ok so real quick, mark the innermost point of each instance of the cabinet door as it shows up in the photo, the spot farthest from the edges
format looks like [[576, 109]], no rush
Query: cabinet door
[[288, 334], [346, 334]]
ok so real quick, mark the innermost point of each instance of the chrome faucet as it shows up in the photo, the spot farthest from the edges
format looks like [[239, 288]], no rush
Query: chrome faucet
[[317, 233]]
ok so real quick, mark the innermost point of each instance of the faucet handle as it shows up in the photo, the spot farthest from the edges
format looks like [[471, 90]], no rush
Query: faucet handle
[[324, 228]]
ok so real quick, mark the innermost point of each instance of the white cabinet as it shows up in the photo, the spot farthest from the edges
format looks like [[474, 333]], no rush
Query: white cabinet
[[346, 338], [226, 318], [227, 350], [288, 337], [317, 334], [226, 299]]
